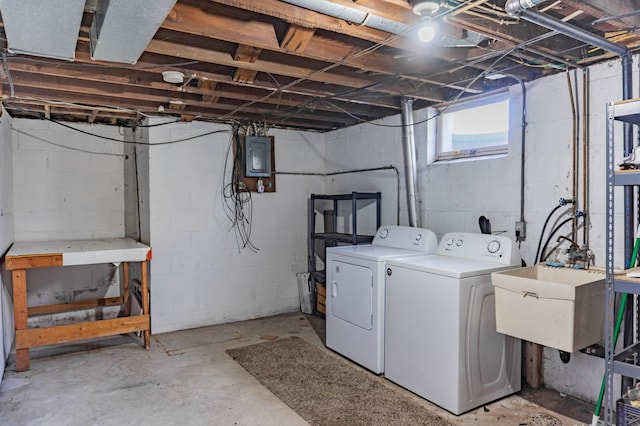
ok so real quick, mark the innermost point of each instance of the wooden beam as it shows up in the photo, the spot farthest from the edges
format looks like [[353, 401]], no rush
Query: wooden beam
[[249, 54], [85, 330], [255, 113], [205, 55], [208, 88], [74, 306], [31, 261], [297, 38], [190, 19]]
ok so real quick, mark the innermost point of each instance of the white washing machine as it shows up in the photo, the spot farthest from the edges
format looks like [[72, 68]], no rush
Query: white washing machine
[[355, 291], [440, 323]]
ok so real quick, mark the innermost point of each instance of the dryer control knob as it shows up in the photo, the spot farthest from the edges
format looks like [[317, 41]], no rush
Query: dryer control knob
[[450, 241], [493, 246], [384, 232], [389, 272], [459, 243]]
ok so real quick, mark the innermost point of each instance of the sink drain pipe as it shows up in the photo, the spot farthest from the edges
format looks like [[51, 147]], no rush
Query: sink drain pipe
[[410, 167]]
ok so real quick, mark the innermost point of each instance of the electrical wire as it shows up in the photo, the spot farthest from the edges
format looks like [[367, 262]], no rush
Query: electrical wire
[[82, 64], [390, 167], [236, 198], [171, 142]]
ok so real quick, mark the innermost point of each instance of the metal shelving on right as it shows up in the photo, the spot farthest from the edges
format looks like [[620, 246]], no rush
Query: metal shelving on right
[[618, 282]]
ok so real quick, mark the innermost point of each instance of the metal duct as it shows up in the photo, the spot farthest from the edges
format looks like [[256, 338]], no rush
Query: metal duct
[[122, 29], [351, 15], [574, 32], [514, 7], [358, 17], [410, 167], [42, 28]]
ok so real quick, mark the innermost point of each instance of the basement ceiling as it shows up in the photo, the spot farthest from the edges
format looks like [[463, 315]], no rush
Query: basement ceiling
[[283, 65]]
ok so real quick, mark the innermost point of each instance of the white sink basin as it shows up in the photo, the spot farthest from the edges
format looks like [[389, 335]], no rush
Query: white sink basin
[[561, 308]]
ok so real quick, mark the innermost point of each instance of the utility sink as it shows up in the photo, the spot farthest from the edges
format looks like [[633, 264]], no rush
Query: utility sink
[[561, 308]]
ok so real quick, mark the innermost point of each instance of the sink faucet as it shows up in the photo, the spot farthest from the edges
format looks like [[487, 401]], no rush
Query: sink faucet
[[577, 253]]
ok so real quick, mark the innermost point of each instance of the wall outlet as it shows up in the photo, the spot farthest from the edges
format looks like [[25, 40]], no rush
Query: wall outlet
[[521, 231]]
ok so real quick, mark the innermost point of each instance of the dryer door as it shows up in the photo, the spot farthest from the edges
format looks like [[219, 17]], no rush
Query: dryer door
[[352, 293]]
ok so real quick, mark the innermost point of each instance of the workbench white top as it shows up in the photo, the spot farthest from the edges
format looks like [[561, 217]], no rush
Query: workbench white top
[[84, 252]]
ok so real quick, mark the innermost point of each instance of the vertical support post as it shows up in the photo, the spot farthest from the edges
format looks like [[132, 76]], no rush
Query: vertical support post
[[20, 316], [126, 292], [145, 300]]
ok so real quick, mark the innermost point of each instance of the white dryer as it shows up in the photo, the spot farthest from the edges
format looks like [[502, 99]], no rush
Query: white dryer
[[440, 323], [355, 291]]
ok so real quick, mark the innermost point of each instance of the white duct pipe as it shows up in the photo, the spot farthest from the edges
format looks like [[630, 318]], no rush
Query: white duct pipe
[[351, 15], [410, 168]]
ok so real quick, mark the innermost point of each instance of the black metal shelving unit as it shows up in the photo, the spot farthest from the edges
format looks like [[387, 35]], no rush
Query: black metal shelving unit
[[331, 237]]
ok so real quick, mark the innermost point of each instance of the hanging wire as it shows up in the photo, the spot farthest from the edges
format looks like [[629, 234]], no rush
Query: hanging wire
[[236, 197]]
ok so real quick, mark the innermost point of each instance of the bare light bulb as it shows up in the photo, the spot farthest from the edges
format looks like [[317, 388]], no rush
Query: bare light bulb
[[427, 32]]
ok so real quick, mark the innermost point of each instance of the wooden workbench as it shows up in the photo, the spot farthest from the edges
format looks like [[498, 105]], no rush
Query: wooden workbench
[[27, 255]]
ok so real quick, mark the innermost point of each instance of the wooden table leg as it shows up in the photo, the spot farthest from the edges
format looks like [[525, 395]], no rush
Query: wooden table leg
[[20, 315], [125, 289], [145, 301]]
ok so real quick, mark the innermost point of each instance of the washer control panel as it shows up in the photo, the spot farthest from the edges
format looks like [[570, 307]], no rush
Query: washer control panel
[[494, 248]]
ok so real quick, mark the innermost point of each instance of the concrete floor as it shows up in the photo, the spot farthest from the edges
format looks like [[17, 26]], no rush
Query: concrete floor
[[186, 378]]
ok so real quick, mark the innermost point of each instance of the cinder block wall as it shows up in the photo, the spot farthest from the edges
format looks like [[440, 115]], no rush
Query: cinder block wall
[[199, 276], [67, 185], [453, 195]]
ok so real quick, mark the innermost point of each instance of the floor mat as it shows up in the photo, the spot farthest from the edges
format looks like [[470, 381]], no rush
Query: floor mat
[[326, 390]]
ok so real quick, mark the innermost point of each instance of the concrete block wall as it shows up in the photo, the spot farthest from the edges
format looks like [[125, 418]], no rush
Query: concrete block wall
[[365, 147], [454, 194], [6, 183], [6, 237], [67, 185], [199, 276]]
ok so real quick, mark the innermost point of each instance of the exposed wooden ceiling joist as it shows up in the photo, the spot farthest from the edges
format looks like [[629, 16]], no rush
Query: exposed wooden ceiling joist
[[273, 62]]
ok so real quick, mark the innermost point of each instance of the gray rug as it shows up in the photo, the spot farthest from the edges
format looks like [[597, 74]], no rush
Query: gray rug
[[326, 390]]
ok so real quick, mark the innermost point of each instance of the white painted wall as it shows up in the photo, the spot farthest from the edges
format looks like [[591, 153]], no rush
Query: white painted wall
[[454, 194], [67, 185], [198, 275], [6, 237]]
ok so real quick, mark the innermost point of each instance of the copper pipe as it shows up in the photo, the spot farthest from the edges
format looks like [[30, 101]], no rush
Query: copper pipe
[[585, 156], [574, 144]]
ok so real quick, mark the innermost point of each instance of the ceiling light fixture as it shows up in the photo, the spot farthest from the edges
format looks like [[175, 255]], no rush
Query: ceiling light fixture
[[426, 10], [175, 77]]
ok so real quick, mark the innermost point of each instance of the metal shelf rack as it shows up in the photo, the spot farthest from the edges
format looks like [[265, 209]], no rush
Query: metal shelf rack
[[627, 111], [332, 237]]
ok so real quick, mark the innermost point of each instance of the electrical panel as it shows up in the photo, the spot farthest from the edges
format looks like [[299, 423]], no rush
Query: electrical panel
[[257, 151]]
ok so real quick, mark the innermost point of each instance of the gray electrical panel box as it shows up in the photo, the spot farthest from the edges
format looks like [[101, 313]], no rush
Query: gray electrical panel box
[[257, 156]]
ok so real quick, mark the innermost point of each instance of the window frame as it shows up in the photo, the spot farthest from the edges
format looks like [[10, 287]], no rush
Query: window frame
[[489, 150]]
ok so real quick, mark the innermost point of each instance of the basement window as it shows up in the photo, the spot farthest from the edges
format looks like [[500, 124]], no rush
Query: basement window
[[475, 128]]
